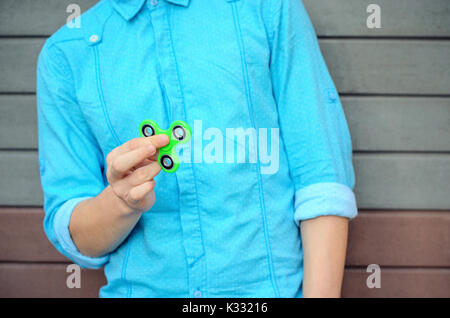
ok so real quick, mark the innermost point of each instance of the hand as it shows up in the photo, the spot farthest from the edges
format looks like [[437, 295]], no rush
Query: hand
[[131, 168]]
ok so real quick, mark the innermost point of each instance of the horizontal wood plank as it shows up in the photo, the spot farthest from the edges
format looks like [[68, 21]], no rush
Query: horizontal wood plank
[[399, 18], [46, 281], [376, 123], [18, 122], [398, 282], [383, 181], [18, 59], [388, 238], [402, 181], [330, 18], [49, 281], [357, 66], [19, 179], [398, 123], [36, 17], [400, 238], [389, 66], [22, 237]]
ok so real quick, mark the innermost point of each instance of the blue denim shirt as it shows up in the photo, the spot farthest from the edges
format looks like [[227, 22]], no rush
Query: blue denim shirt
[[218, 228]]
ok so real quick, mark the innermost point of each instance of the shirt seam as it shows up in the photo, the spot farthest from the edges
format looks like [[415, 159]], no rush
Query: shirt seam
[[271, 26], [124, 271], [259, 177], [102, 97]]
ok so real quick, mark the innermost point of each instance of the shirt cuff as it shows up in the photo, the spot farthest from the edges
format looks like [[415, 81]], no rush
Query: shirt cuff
[[327, 198], [61, 228]]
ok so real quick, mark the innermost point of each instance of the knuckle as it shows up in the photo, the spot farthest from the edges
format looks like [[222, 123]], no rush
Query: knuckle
[[115, 166], [142, 174], [131, 198], [133, 143]]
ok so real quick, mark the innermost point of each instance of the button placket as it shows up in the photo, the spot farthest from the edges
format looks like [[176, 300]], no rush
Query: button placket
[[188, 201]]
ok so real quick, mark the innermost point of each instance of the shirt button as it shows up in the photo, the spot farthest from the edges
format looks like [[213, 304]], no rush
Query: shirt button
[[331, 95], [153, 2], [93, 38], [197, 294]]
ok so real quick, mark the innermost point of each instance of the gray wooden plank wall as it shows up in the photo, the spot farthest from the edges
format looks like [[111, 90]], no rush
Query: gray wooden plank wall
[[395, 87]]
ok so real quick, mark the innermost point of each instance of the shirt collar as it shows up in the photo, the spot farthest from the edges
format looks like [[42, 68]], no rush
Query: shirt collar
[[129, 8]]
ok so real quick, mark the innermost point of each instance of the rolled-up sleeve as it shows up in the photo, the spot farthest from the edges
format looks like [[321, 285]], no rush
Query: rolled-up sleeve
[[70, 159], [312, 121]]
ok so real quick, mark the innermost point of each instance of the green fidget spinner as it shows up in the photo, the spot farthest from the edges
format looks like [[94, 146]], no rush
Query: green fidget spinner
[[179, 133]]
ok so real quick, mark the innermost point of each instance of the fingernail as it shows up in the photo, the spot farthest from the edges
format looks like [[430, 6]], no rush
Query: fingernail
[[151, 148]]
